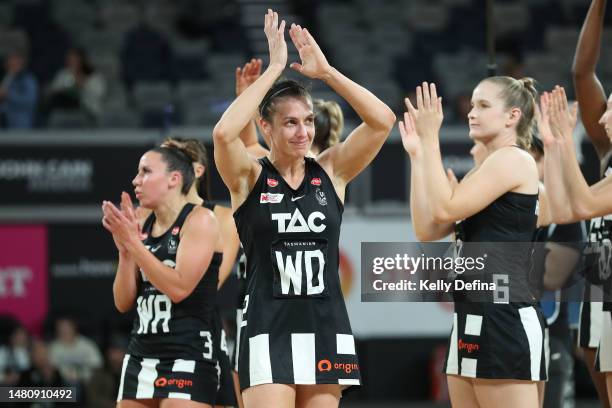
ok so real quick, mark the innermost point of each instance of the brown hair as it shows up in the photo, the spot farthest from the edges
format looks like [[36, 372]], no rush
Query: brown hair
[[329, 123], [196, 151], [281, 89], [521, 94]]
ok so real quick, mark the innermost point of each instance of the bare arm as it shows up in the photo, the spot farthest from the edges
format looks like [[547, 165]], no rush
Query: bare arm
[[347, 159], [245, 76], [237, 169], [556, 194], [559, 265], [199, 236], [422, 221], [589, 92], [125, 285], [231, 242], [357, 151]]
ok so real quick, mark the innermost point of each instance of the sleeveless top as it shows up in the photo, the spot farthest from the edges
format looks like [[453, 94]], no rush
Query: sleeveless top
[[164, 329]]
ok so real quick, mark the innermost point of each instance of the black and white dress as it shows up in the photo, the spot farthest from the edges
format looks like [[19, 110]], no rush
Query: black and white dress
[[170, 354], [226, 395], [597, 270], [499, 339], [295, 327]]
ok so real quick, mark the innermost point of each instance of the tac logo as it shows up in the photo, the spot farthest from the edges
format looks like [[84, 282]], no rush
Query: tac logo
[[297, 222], [270, 198], [468, 346], [177, 382], [272, 182], [315, 181]]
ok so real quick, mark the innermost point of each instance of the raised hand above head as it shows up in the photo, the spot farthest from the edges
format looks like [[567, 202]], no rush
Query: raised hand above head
[[275, 34], [314, 64], [428, 115], [248, 74]]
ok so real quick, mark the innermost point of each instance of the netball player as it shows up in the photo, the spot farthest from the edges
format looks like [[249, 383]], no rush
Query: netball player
[[592, 100], [572, 199], [197, 153], [328, 123], [296, 345], [496, 349], [169, 271]]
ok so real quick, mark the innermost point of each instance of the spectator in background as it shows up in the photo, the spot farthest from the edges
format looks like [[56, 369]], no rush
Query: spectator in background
[[42, 373], [146, 56], [77, 86], [104, 383], [74, 355], [18, 92], [15, 356]]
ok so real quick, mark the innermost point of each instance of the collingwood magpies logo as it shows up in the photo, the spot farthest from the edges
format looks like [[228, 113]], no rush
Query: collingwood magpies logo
[[320, 195]]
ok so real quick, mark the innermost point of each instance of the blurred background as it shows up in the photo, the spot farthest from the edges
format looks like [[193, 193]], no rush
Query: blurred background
[[101, 81]]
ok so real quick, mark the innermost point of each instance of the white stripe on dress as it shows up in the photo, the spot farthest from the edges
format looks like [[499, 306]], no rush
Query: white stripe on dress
[[345, 344], [126, 359], [348, 381], [473, 324], [533, 332], [595, 322], [260, 366], [179, 395], [238, 330], [304, 359], [184, 366], [146, 378], [452, 363], [604, 353]]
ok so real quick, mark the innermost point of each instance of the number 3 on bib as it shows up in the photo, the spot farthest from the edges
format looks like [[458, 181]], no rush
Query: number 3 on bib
[[300, 268]]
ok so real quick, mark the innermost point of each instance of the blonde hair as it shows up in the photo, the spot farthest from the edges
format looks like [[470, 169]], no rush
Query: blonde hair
[[329, 123], [521, 94]]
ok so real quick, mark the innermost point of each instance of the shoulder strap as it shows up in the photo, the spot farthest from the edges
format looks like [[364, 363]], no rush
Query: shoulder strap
[[210, 205], [183, 214], [148, 224]]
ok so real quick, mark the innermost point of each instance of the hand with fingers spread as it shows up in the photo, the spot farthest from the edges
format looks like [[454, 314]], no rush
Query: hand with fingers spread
[[562, 117], [410, 139], [248, 74], [275, 34], [428, 114], [313, 61]]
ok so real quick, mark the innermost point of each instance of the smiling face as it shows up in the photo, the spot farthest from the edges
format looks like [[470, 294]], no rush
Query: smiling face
[[606, 118], [489, 115], [153, 181], [292, 127]]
